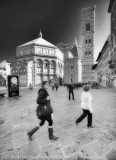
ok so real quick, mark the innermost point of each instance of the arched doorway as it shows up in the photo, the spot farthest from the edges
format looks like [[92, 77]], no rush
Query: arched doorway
[[39, 72], [46, 70], [22, 77], [53, 67]]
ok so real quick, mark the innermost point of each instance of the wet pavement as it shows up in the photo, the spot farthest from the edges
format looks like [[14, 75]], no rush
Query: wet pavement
[[17, 117]]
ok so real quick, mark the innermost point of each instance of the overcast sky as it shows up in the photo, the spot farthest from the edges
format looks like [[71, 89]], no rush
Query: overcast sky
[[59, 20]]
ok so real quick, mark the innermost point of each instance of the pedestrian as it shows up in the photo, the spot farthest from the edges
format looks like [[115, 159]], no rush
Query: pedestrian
[[86, 100], [30, 86], [56, 86], [44, 111], [115, 83], [52, 86], [70, 89]]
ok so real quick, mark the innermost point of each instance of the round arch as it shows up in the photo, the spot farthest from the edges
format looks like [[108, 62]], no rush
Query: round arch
[[22, 76], [14, 71]]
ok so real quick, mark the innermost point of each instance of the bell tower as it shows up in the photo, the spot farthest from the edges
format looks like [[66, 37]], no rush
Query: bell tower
[[87, 42]]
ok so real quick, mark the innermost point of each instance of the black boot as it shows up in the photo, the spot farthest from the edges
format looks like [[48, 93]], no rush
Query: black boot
[[32, 132], [51, 136]]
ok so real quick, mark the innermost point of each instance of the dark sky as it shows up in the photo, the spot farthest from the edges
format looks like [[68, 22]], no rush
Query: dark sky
[[59, 20]]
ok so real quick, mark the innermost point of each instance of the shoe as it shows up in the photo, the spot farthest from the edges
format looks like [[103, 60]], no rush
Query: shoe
[[30, 136], [76, 122], [91, 126], [32, 132], [51, 136]]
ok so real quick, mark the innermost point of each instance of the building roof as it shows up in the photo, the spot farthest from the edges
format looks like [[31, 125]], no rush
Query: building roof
[[105, 44], [94, 66], [61, 45], [39, 41], [74, 51], [110, 6]]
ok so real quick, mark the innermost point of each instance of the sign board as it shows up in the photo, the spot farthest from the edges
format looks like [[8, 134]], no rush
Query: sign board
[[13, 86]]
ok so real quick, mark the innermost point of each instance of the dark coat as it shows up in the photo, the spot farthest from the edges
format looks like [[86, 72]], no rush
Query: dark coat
[[42, 102], [70, 87], [42, 95]]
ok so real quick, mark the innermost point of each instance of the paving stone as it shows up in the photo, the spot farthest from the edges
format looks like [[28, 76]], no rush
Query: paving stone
[[111, 155], [57, 129], [19, 140], [83, 138], [7, 134], [65, 141], [68, 126], [70, 150], [29, 150], [106, 137], [43, 140], [54, 154], [113, 145], [99, 148], [47, 147], [2, 121], [42, 131], [13, 155], [113, 133], [57, 144], [86, 152], [76, 156], [63, 134], [6, 144], [40, 156], [4, 129], [18, 129]]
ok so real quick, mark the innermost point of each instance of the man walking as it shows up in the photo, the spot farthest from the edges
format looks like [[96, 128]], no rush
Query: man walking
[[70, 89]]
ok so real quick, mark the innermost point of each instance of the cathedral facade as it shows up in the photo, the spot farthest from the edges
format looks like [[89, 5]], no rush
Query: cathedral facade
[[87, 42], [73, 66], [36, 61]]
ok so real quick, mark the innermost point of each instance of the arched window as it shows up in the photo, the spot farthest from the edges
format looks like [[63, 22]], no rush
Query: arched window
[[52, 64], [86, 41], [86, 53], [45, 65], [89, 40], [39, 64], [89, 54], [87, 26], [22, 71], [15, 71]]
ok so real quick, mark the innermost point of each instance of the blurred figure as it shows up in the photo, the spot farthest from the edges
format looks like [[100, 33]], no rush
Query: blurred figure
[[44, 111], [86, 100], [56, 86], [70, 88], [52, 86], [30, 86]]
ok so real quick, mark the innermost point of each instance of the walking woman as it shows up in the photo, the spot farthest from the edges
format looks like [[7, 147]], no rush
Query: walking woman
[[86, 105], [44, 111]]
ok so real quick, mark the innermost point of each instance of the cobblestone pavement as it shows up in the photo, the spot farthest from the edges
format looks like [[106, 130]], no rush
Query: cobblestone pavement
[[17, 117]]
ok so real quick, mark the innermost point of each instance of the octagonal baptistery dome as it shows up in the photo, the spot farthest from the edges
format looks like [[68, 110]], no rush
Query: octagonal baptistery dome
[[45, 58], [37, 46]]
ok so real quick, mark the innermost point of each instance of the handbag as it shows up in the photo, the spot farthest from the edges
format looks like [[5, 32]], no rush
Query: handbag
[[44, 110]]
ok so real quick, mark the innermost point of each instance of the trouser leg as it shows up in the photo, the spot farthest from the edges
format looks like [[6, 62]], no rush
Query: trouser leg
[[89, 119], [82, 116], [32, 132], [73, 95], [42, 122], [69, 95]]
